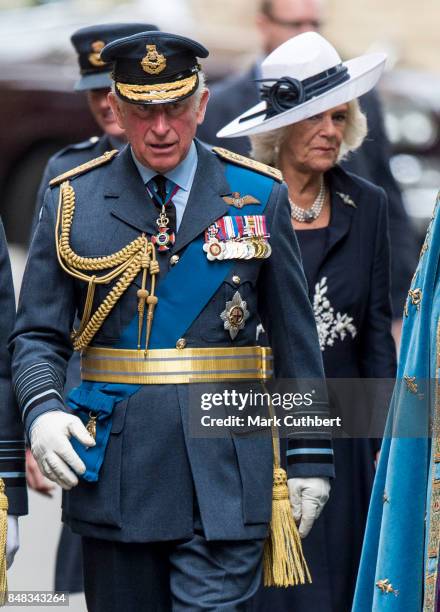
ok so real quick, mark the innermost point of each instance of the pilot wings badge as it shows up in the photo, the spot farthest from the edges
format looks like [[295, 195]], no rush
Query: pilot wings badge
[[238, 201]]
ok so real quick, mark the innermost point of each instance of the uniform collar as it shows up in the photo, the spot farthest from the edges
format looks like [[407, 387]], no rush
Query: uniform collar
[[182, 175]]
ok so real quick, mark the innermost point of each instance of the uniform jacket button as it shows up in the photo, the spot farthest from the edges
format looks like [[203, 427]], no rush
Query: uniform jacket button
[[236, 280], [181, 343], [174, 259]]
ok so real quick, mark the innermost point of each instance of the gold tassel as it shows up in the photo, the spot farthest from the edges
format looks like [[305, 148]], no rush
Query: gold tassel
[[3, 534], [283, 559], [284, 564]]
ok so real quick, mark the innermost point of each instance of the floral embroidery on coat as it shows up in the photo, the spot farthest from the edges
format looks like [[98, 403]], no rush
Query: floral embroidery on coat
[[331, 326]]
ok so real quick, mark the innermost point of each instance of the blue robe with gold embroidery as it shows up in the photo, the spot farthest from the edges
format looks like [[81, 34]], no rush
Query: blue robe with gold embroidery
[[398, 569]]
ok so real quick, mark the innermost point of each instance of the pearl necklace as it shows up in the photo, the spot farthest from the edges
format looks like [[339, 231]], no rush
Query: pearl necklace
[[307, 215]]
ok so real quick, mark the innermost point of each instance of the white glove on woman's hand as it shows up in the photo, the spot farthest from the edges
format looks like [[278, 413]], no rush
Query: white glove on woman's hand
[[307, 498], [12, 540], [50, 445]]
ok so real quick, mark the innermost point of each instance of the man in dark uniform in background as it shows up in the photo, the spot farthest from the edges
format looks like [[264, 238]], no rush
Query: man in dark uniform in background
[[169, 520], [277, 21], [95, 82]]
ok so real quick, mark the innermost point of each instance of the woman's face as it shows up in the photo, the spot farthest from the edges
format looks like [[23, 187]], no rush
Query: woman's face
[[313, 145]]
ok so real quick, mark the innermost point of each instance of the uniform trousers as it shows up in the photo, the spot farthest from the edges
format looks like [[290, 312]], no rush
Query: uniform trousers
[[194, 575]]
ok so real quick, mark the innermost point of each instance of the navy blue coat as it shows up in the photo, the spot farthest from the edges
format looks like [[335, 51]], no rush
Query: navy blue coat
[[371, 161], [12, 448], [355, 266], [153, 468]]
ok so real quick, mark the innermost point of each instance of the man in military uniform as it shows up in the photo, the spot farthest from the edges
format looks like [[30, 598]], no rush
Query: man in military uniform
[[171, 254], [95, 82], [12, 451]]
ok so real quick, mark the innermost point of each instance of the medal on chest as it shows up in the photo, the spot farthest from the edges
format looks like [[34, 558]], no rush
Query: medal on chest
[[164, 237], [243, 237]]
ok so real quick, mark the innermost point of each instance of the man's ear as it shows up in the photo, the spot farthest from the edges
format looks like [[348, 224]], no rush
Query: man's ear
[[202, 107], [115, 106]]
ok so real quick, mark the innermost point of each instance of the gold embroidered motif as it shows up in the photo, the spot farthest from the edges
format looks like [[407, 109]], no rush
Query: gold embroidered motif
[[386, 587], [434, 514], [160, 92], [411, 383], [246, 162], [89, 165], [154, 62], [94, 58], [415, 295], [429, 593]]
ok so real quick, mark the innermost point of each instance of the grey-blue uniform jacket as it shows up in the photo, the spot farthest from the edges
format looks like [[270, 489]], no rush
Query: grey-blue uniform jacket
[[71, 156], [155, 473], [12, 448]]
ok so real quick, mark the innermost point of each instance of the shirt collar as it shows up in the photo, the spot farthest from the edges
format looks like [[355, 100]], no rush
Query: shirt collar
[[182, 175]]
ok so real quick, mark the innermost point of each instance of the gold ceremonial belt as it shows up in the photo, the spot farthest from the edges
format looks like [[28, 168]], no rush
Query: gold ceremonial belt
[[176, 366]]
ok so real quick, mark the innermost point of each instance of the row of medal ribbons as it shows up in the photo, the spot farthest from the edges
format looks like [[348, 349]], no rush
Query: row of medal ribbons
[[241, 237]]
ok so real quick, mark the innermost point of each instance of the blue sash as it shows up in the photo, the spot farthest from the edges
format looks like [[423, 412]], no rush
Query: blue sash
[[201, 279]]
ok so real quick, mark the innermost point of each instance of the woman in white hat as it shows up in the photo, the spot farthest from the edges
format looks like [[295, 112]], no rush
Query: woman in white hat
[[308, 119]]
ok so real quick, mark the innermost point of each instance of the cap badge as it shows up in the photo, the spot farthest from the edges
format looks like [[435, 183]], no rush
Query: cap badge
[[153, 62], [94, 58]]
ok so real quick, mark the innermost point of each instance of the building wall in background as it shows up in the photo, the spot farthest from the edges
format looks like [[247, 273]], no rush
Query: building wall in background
[[407, 30]]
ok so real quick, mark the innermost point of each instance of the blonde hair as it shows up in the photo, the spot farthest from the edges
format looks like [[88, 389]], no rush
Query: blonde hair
[[266, 146]]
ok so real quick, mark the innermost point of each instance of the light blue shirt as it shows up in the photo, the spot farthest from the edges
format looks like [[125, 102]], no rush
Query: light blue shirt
[[182, 175]]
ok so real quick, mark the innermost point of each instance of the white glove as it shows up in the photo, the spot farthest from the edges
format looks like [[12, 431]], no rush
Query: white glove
[[12, 540], [307, 498], [50, 433]]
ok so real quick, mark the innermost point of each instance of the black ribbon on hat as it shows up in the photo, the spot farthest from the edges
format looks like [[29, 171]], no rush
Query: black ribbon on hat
[[288, 92]]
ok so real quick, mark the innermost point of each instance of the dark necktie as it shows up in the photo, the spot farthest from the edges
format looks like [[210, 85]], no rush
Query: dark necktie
[[158, 188]]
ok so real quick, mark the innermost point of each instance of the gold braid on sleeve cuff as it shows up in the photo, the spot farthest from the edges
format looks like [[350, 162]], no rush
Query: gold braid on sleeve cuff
[[3, 535]]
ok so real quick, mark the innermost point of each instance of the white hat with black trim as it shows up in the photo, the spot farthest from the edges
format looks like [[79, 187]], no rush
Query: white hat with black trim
[[303, 77]]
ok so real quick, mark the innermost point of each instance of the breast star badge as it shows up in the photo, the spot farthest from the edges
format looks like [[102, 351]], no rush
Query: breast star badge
[[235, 315]]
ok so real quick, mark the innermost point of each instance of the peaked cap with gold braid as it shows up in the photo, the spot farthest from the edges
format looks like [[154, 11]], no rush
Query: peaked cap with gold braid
[[154, 67]]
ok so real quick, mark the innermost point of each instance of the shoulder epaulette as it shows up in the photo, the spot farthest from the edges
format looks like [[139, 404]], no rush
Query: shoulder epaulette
[[89, 165], [247, 162]]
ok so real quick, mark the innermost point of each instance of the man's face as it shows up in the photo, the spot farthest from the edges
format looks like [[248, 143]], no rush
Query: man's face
[[288, 18], [102, 112], [160, 134]]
